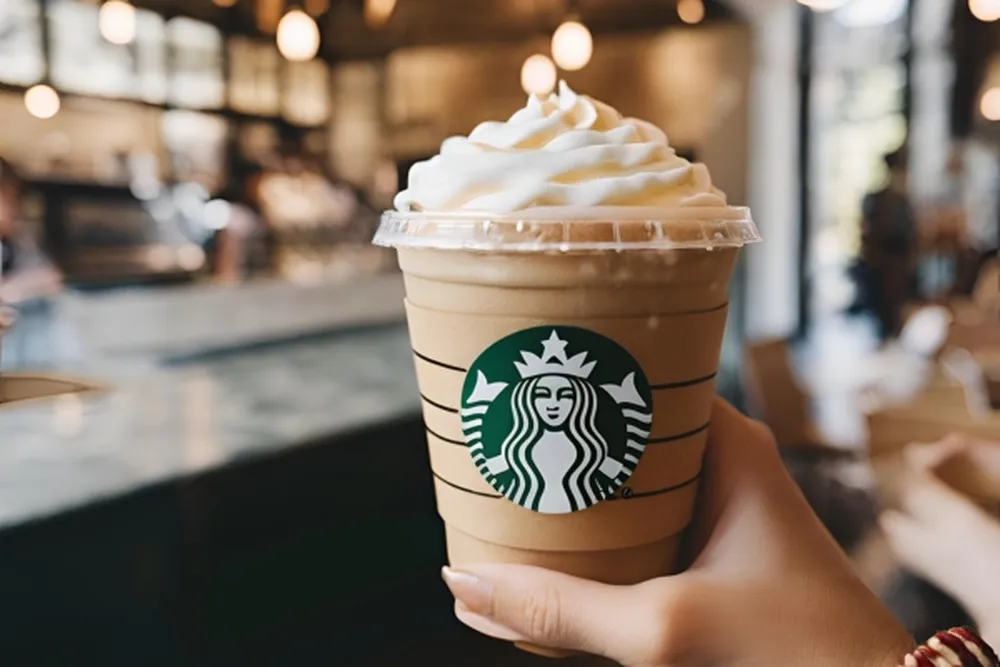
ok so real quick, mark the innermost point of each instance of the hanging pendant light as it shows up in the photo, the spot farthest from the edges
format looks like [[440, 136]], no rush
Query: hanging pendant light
[[691, 11], [989, 104], [117, 21], [378, 12], [538, 75], [298, 36], [987, 11], [42, 101], [572, 46]]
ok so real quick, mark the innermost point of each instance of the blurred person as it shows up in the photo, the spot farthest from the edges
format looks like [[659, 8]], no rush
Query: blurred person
[[886, 271], [944, 230], [768, 585], [232, 245], [39, 338], [970, 235], [26, 273], [944, 537]]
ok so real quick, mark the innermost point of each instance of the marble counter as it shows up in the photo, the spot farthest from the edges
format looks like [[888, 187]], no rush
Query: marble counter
[[166, 416]]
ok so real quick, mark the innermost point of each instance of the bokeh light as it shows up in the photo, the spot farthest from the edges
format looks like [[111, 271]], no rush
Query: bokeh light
[[298, 36], [42, 101], [572, 46], [538, 75]]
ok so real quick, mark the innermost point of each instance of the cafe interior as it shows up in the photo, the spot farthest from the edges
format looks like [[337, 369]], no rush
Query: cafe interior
[[202, 349]]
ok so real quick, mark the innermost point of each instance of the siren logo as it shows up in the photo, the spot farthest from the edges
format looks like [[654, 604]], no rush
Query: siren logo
[[556, 418]]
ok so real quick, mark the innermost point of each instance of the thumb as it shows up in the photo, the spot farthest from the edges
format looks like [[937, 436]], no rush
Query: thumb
[[529, 604]]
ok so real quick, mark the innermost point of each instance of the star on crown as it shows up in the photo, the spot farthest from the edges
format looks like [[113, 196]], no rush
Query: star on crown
[[554, 361]]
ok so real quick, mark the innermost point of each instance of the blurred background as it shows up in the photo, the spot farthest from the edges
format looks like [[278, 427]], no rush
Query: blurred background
[[229, 468]]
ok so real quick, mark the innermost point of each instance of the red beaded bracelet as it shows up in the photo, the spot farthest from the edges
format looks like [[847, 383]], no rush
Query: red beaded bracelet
[[957, 647]]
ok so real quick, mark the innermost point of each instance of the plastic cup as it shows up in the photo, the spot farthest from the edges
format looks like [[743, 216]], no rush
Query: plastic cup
[[567, 370]]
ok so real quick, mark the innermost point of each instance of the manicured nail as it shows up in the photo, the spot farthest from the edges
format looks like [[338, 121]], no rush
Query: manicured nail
[[486, 626], [474, 593]]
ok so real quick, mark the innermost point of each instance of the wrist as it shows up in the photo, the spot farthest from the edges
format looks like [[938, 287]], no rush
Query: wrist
[[894, 652]]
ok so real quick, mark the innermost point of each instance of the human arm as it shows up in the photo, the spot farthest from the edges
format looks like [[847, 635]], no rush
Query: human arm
[[943, 536], [768, 585], [32, 275]]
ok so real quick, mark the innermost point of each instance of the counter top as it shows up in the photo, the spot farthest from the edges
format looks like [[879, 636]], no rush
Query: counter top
[[173, 411]]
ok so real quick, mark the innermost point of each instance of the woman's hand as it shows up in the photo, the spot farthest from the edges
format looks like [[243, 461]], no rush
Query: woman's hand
[[944, 537], [769, 586]]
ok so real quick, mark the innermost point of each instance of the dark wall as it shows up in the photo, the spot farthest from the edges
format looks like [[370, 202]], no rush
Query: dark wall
[[973, 43]]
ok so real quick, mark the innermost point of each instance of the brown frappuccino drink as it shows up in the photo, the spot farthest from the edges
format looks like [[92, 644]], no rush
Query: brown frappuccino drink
[[566, 277]]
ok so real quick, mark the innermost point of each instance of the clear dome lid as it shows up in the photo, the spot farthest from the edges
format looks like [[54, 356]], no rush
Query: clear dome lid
[[561, 230]]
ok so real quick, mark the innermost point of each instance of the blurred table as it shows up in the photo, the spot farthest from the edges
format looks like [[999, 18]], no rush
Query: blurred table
[[193, 414]]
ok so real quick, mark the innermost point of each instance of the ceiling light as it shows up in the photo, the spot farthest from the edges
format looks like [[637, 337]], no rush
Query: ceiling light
[[42, 101], [989, 104], [117, 21], [691, 11], [572, 46], [377, 12], [985, 10], [538, 75], [298, 36]]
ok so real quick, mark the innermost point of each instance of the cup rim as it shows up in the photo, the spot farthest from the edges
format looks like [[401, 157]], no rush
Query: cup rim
[[564, 230]]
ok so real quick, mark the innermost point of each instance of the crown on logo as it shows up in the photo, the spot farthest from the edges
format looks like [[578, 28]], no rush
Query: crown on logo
[[554, 361]]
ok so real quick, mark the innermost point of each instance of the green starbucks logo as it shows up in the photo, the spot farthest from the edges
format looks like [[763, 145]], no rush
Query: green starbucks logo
[[552, 432]]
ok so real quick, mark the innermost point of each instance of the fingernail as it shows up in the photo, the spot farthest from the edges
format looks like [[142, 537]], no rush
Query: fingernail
[[485, 625], [470, 590]]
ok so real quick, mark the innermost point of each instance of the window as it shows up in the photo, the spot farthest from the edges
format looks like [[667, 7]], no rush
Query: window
[[21, 58], [84, 62], [196, 75], [254, 70]]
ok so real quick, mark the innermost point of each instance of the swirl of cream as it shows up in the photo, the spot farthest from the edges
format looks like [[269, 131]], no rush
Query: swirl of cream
[[565, 151]]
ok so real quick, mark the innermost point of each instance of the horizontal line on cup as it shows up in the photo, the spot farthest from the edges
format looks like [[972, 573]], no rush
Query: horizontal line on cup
[[679, 436], [646, 494], [438, 405], [450, 441], [438, 363], [697, 311], [651, 441], [634, 496], [683, 383], [438, 477], [655, 387]]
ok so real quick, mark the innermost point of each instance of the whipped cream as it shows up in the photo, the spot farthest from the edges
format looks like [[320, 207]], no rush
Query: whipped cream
[[567, 150]]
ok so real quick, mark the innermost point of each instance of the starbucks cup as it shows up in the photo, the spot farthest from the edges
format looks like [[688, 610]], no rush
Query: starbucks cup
[[567, 372]]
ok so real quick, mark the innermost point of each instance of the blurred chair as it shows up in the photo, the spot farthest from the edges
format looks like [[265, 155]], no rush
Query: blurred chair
[[781, 403], [777, 398]]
